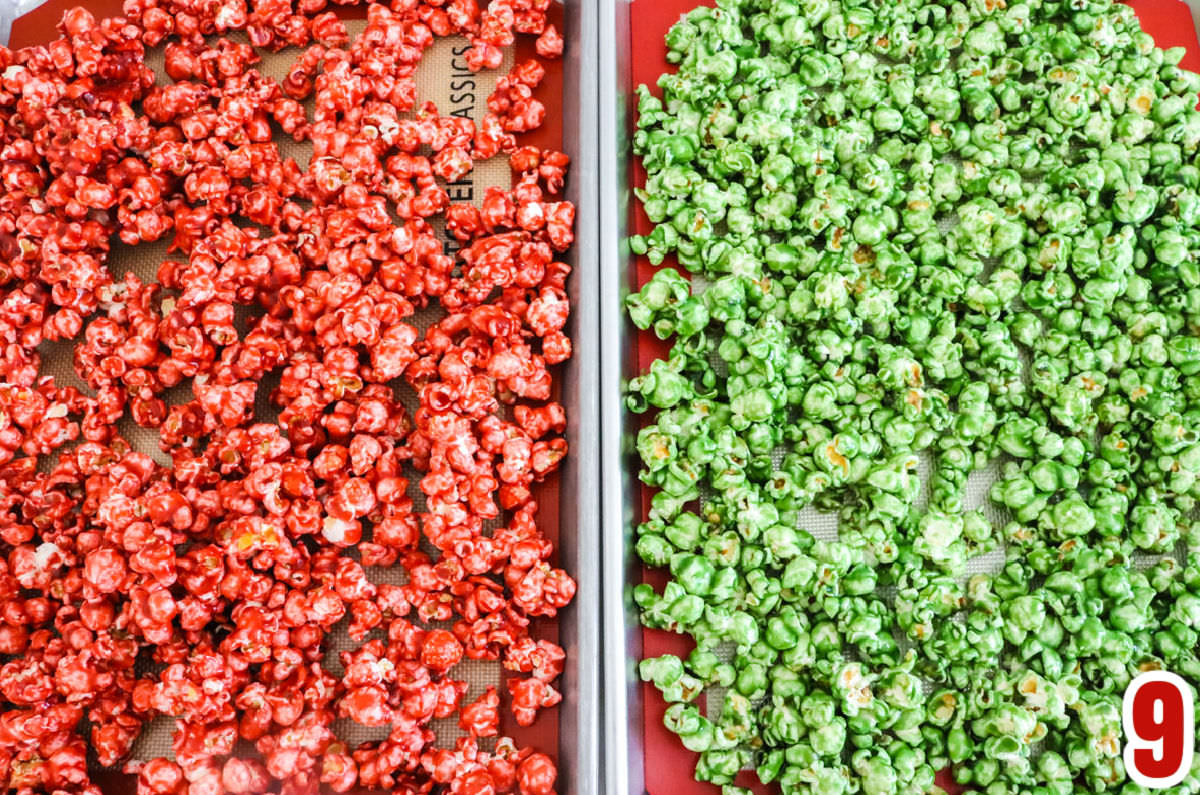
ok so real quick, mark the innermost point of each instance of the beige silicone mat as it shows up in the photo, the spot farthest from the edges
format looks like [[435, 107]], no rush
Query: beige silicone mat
[[443, 78]]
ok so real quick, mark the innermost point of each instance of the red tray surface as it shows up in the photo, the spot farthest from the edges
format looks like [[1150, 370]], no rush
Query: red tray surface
[[39, 26], [1168, 21]]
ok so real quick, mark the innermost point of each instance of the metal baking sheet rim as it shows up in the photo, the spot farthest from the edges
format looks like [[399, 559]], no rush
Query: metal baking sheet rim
[[624, 754], [579, 713], [623, 751], [580, 718]]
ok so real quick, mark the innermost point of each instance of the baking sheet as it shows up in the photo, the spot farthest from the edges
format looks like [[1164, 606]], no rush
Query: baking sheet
[[633, 31], [569, 731]]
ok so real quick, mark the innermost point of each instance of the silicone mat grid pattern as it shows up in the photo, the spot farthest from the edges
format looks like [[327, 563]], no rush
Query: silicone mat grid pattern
[[443, 78]]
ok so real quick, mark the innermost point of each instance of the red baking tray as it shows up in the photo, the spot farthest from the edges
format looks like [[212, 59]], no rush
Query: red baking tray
[[560, 731], [1168, 21]]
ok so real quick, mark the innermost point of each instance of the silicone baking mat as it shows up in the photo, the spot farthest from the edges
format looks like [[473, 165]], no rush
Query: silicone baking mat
[[442, 77], [1168, 21]]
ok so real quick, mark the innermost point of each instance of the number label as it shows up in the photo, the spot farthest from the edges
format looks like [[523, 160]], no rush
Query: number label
[[1159, 720]]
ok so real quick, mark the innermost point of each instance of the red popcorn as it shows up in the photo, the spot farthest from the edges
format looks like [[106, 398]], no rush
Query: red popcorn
[[536, 775], [550, 43], [529, 696], [205, 591]]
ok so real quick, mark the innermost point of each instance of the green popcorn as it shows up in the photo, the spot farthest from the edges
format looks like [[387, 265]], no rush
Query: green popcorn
[[662, 387], [879, 777], [693, 572], [781, 724], [720, 766], [695, 731], [1072, 517], [654, 550], [829, 739], [959, 234]]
